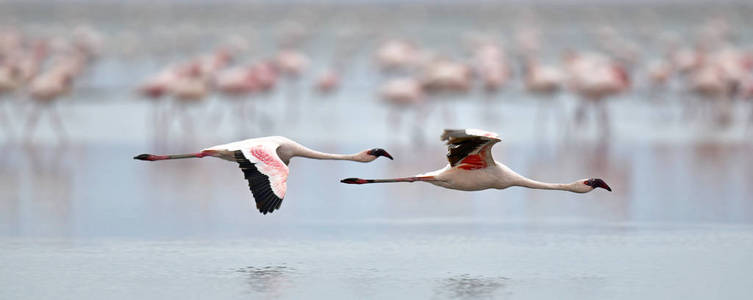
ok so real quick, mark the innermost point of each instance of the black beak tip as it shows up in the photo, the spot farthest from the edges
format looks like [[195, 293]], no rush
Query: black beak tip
[[599, 183], [142, 157], [380, 152], [349, 180]]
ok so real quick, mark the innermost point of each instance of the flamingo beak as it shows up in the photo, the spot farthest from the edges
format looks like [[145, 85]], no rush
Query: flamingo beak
[[143, 157], [354, 181], [379, 152], [598, 183]]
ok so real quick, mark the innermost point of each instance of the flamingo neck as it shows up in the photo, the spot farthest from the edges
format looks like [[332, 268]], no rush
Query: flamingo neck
[[533, 184], [308, 153]]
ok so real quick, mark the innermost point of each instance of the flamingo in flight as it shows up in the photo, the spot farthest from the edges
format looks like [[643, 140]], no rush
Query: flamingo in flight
[[472, 168], [264, 162]]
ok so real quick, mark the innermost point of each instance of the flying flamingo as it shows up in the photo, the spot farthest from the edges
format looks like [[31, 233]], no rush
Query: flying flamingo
[[264, 162], [472, 168]]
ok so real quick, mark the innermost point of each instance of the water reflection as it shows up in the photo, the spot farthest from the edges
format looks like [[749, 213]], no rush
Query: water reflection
[[46, 188], [467, 286], [270, 280]]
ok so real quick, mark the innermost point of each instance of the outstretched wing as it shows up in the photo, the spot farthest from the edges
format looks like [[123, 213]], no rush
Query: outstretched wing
[[267, 175], [469, 149]]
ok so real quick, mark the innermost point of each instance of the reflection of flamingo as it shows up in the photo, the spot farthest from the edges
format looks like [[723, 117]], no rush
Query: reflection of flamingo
[[472, 168], [264, 162]]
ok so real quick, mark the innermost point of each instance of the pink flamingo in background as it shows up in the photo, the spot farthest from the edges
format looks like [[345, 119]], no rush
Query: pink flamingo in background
[[402, 93], [545, 82], [595, 79], [238, 84], [328, 81], [45, 90]]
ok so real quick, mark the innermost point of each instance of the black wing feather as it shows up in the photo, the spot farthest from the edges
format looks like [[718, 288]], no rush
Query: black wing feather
[[461, 144], [459, 149], [266, 200]]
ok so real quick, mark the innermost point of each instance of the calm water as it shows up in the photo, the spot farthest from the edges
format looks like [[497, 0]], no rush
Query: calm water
[[82, 220]]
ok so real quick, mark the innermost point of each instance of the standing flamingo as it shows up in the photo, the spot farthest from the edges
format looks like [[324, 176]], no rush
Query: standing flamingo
[[238, 84], [45, 89], [401, 94], [595, 78], [264, 162], [328, 81], [472, 168], [544, 81]]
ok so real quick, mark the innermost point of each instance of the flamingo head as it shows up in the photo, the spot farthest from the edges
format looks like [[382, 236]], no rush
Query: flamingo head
[[372, 154], [593, 183]]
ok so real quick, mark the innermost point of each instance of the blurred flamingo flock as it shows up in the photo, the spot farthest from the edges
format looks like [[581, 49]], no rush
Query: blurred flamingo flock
[[688, 67]]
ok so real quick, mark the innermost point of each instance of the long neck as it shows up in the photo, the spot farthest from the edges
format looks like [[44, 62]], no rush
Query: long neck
[[533, 184], [308, 153]]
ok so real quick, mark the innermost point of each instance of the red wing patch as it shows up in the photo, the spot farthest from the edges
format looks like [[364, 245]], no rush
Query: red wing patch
[[472, 162]]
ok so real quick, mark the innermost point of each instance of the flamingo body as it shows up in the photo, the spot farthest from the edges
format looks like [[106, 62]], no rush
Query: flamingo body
[[472, 168], [264, 162]]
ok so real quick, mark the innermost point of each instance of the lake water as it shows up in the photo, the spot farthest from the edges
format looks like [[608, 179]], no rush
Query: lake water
[[83, 220]]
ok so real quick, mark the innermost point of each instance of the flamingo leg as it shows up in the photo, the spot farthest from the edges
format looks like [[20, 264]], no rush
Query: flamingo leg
[[604, 119], [152, 157], [58, 123], [7, 125], [186, 120], [217, 116], [393, 119], [401, 179], [580, 114], [540, 124], [31, 122], [156, 122], [242, 115]]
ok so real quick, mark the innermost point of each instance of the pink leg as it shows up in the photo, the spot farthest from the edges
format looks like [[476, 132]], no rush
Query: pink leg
[[402, 179], [58, 126], [152, 157], [6, 123], [31, 122]]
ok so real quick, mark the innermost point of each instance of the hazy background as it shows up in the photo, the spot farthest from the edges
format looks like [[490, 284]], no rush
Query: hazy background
[[80, 219]]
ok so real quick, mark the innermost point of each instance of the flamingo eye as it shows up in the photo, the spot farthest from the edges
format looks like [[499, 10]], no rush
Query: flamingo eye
[[586, 182]]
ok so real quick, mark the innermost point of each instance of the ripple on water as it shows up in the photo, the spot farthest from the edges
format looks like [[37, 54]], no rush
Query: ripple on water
[[267, 279], [466, 286]]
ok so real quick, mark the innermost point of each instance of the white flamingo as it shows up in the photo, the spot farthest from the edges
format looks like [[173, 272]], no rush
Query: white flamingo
[[264, 162], [472, 168]]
